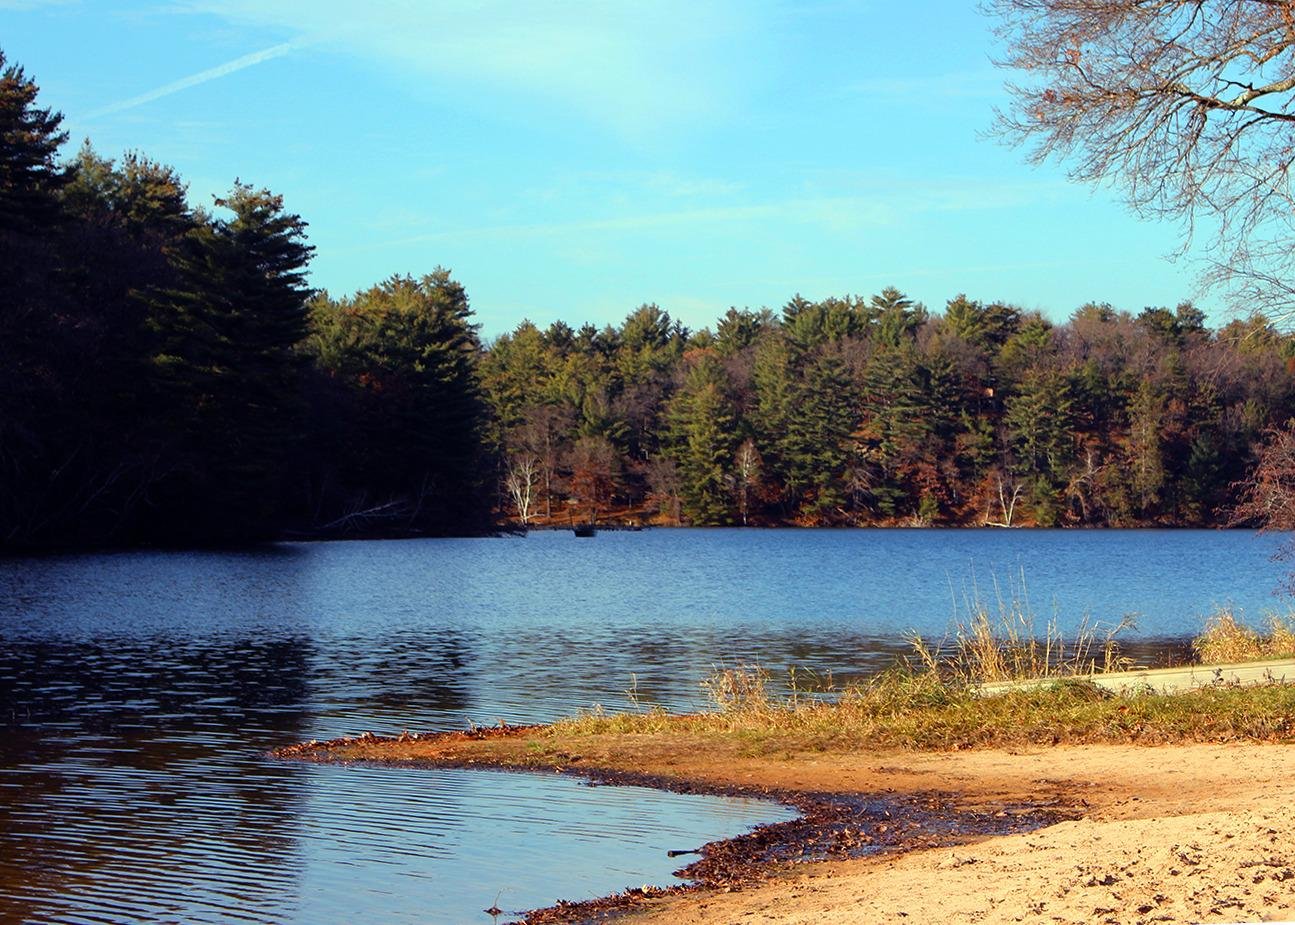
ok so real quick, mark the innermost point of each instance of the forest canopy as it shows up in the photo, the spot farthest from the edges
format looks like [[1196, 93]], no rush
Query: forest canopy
[[168, 376], [859, 411]]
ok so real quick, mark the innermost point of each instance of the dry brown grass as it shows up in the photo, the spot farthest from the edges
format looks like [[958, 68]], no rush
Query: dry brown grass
[[931, 700], [1226, 639], [744, 688], [982, 650], [1007, 645]]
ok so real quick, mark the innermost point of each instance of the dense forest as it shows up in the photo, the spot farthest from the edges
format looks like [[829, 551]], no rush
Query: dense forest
[[875, 411], [167, 376]]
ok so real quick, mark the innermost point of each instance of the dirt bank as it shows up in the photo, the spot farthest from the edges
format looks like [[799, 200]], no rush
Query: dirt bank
[[1181, 833]]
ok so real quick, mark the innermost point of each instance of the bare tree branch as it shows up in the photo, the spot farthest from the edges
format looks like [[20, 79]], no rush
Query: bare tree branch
[[1189, 105]]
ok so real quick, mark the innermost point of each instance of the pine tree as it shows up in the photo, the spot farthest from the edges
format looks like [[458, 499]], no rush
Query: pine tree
[[774, 379], [738, 330], [1145, 453], [819, 444], [228, 373], [515, 372], [30, 137], [36, 339], [403, 439], [703, 441], [894, 422], [1040, 430]]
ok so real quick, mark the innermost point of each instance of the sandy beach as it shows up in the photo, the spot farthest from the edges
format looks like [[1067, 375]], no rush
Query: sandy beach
[[1170, 834]]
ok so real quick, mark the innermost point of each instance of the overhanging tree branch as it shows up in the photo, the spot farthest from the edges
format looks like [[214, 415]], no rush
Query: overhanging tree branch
[[1189, 105]]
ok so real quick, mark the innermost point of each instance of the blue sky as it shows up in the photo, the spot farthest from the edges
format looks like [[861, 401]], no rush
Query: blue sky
[[573, 160]]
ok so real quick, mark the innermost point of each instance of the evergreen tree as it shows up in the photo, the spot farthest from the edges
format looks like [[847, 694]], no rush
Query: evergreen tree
[[30, 137], [1039, 425], [1145, 455], [37, 342], [703, 442], [515, 372], [774, 379], [819, 443], [406, 450], [895, 423], [898, 317], [738, 330], [985, 326], [228, 373]]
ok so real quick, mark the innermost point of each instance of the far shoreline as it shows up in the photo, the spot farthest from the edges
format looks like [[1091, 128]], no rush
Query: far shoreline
[[506, 531]]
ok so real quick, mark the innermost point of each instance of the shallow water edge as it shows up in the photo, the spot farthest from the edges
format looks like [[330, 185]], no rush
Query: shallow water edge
[[829, 826]]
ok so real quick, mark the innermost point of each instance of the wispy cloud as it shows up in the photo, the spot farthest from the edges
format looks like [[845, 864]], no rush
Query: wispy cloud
[[838, 214], [193, 80], [32, 4], [638, 68], [813, 211]]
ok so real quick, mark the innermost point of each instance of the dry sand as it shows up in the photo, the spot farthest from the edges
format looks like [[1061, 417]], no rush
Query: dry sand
[[1170, 834]]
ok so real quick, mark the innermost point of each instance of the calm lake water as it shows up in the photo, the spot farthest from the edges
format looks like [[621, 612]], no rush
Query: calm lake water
[[140, 691]]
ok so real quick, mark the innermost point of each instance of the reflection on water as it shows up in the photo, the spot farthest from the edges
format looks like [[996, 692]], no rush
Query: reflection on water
[[134, 788], [139, 692], [127, 791]]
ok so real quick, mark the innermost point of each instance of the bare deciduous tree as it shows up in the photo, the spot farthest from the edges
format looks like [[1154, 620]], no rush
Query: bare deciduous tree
[[1268, 499], [1269, 495], [595, 471], [746, 475], [1188, 104], [521, 477], [1007, 492], [665, 489], [541, 434]]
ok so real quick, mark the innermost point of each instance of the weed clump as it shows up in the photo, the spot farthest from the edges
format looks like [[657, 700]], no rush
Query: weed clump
[[1227, 639], [935, 699], [1006, 645], [743, 689]]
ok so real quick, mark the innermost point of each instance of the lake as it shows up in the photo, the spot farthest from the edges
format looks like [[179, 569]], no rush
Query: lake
[[139, 692]]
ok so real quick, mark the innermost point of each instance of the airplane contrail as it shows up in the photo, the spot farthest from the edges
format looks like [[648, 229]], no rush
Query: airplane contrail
[[193, 80]]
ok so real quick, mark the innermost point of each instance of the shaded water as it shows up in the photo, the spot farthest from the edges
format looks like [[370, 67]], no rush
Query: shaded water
[[139, 691]]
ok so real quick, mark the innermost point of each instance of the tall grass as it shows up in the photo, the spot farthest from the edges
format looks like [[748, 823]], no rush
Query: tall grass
[[1007, 644], [744, 688], [932, 699], [1227, 639], [982, 646], [918, 709]]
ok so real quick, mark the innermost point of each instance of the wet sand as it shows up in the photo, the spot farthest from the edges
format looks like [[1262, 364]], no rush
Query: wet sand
[[1102, 833]]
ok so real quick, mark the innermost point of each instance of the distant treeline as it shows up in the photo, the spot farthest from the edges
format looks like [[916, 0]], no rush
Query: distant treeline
[[166, 376], [874, 411]]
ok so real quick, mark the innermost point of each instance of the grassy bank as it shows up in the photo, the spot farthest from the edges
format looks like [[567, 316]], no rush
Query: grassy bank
[[896, 712], [933, 701], [923, 712]]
